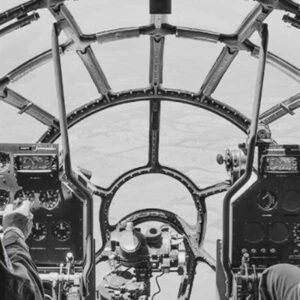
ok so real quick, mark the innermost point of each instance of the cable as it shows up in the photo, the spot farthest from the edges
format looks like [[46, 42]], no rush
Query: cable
[[158, 286]]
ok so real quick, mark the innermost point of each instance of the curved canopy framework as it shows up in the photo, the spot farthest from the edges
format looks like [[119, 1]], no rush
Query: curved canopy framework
[[158, 31]]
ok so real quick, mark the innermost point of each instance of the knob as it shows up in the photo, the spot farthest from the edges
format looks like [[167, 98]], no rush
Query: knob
[[220, 159]]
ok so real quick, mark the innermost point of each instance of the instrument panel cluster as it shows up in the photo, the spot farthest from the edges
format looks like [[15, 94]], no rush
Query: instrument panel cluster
[[266, 217], [31, 172]]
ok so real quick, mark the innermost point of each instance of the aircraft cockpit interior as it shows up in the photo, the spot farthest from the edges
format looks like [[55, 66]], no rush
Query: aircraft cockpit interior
[[259, 204]]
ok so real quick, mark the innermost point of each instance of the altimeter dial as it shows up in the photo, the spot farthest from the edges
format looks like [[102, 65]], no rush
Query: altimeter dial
[[39, 231], [266, 201], [62, 230], [25, 195], [49, 199]]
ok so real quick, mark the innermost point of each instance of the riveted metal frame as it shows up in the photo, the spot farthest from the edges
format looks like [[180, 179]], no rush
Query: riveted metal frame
[[155, 93]]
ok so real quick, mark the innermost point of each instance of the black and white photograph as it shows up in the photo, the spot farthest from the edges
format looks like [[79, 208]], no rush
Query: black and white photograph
[[149, 150]]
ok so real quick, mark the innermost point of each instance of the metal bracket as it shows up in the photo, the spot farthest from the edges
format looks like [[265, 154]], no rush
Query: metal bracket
[[3, 84], [24, 109], [287, 109]]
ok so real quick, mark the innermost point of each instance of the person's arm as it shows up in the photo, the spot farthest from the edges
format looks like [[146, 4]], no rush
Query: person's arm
[[17, 226]]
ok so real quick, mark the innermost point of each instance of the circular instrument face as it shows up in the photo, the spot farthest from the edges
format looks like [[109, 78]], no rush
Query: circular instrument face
[[4, 198], [25, 195], [62, 230], [279, 232], [291, 201], [26, 162], [49, 199], [266, 201], [253, 232], [4, 162], [39, 231]]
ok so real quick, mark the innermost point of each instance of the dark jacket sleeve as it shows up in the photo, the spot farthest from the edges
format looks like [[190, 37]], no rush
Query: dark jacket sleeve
[[23, 267]]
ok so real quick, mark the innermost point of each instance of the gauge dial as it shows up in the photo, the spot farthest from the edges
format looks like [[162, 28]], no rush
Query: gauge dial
[[62, 230], [39, 231], [26, 162], [25, 195], [4, 162], [253, 232], [4, 198], [49, 199], [278, 232], [36, 162], [266, 201], [291, 201]]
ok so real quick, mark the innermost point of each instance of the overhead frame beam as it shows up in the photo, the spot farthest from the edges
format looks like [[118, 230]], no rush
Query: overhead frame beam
[[197, 34], [92, 65], [117, 34], [279, 63], [217, 71], [24, 21], [157, 42], [284, 108], [85, 52], [25, 106], [34, 63], [229, 52], [112, 35], [286, 5], [25, 8]]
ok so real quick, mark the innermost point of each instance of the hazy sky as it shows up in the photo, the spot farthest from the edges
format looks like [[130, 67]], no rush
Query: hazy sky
[[112, 142]]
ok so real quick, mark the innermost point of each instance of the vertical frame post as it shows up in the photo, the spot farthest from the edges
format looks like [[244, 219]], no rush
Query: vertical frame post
[[263, 30], [88, 280]]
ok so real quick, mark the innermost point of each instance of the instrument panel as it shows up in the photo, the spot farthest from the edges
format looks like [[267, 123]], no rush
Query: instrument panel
[[266, 217], [31, 172], [35, 163]]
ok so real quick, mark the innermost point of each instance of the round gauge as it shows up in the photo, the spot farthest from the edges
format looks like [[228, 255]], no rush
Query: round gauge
[[296, 233], [4, 162], [25, 195], [62, 230], [4, 198], [266, 201], [26, 162], [39, 231], [49, 199], [291, 201], [253, 232], [279, 232]]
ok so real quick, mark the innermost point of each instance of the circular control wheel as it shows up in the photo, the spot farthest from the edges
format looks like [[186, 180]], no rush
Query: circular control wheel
[[39, 231], [62, 231], [4, 198], [266, 201], [49, 199]]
